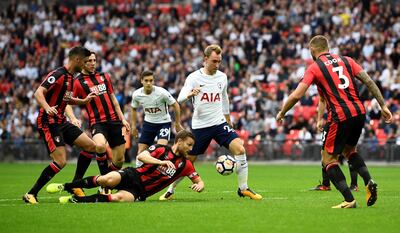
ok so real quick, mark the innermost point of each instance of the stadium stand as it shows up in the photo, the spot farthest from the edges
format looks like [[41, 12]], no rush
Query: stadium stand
[[265, 55]]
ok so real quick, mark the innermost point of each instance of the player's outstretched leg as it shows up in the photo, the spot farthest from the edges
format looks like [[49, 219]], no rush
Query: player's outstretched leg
[[47, 174], [84, 160], [242, 172]]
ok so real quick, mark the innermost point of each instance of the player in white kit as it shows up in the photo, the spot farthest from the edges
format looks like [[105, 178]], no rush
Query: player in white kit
[[157, 120], [207, 90]]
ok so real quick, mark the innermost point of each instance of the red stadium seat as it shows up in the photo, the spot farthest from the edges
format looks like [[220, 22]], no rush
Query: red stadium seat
[[381, 136]]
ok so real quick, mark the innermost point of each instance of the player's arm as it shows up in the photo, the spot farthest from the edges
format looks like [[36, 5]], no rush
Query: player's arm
[[69, 112], [292, 100], [198, 185], [177, 111], [119, 112], [188, 91], [78, 101], [321, 111], [373, 88], [146, 158], [41, 99], [134, 130]]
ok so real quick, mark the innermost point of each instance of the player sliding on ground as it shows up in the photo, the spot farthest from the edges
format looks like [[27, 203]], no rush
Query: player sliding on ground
[[162, 165]]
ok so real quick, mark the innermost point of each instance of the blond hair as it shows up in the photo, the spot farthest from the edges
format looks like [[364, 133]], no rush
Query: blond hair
[[212, 48]]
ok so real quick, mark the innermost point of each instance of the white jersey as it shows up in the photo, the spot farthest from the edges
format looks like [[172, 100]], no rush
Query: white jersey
[[155, 105], [212, 103]]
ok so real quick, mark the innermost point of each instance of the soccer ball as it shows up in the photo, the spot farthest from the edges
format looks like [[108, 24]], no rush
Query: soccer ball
[[225, 165]]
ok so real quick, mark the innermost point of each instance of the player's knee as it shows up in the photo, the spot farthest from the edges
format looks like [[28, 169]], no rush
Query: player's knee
[[100, 148], [61, 162], [238, 150]]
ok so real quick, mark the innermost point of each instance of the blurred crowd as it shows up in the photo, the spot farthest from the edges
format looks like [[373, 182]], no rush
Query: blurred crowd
[[264, 54]]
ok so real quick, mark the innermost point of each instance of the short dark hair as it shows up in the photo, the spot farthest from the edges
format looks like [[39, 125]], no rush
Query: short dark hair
[[146, 73], [320, 43], [79, 51], [183, 134]]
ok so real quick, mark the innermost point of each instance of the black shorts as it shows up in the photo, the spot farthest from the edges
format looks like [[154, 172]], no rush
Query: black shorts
[[130, 182], [338, 134], [55, 135], [112, 131]]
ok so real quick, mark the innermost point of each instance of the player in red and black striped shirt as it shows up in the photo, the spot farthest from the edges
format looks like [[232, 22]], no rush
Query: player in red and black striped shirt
[[335, 77], [53, 95], [105, 118], [162, 166]]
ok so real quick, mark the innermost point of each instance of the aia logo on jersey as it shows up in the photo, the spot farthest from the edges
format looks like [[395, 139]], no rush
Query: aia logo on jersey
[[152, 110], [67, 96], [210, 97], [99, 89]]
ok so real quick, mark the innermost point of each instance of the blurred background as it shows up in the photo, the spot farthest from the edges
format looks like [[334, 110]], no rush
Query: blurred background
[[264, 55]]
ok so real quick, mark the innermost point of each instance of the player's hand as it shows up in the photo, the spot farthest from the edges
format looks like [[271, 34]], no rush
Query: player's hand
[[386, 114], [127, 125], [134, 132], [279, 117], [167, 163], [76, 122], [51, 111], [198, 187], [89, 97], [178, 127], [320, 125], [194, 92]]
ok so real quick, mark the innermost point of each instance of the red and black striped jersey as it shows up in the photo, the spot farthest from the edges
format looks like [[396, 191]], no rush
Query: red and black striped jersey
[[334, 76], [154, 178], [59, 85], [101, 108]]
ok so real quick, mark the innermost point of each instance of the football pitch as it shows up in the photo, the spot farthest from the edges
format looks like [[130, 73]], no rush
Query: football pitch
[[287, 206]]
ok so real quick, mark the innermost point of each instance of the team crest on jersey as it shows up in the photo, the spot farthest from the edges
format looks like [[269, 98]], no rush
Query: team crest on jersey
[[219, 85], [57, 139], [152, 147]]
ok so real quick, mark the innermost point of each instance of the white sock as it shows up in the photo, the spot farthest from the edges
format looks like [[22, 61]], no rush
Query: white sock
[[138, 163], [172, 186], [242, 171]]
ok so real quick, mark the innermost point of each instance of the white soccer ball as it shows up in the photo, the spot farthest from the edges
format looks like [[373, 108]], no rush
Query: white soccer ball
[[225, 165]]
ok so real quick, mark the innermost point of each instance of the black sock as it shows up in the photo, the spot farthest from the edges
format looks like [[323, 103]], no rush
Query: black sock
[[48, 173], [93, 198], [88, 182], [339, 180], [353, 175], [82, 165], [102, 163], [325, 178], [357, 164], [114, 167]]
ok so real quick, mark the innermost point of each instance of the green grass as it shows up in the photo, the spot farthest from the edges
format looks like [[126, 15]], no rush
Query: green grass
[[288, 206]]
